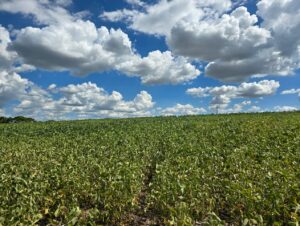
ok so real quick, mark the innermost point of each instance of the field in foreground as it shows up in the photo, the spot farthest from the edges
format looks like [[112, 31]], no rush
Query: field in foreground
[[196, 170]]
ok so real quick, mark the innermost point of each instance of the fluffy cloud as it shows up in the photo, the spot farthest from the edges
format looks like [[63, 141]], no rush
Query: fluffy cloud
[[38, 103], [254, 109], [237, 108], [257, 89], [93, 98], [43, 11], [6, 57], [291, 91], [281, 17], [285, 108], [161, 17], [119, 15], [89, 96], [234, 45], [81, 48], [231, 37], [9, 60], [266, 62], [244, 90], [76, 46], [160, 68], [181, 109], [12, 87], [67, 43], [86, 99], [270, 54], [135, 2], [143, 101], [222, 95]]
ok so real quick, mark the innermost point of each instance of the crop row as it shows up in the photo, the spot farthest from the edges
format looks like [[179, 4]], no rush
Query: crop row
[[197, 170]]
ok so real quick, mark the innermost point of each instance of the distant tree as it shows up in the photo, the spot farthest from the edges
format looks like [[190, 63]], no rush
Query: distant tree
[[23, 119], [17, 119], [4, 119], [51, 120]]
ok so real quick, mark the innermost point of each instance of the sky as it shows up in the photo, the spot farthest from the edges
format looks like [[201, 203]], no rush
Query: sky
[[75, 59]]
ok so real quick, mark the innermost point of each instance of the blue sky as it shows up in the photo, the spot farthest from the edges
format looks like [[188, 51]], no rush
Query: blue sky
[[66, 59]]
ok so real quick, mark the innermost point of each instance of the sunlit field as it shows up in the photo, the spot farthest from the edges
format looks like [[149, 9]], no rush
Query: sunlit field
[[240, 169]]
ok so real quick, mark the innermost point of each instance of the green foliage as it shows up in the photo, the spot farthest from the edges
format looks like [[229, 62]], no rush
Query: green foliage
[[208, 170], [17, 119]]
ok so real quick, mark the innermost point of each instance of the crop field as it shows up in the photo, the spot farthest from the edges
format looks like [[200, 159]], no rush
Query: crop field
[[241, 169]]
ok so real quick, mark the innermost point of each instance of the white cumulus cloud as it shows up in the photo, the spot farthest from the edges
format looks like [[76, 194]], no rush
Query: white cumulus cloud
[[182, 109], [78, 100], [285, 108], [291, 91], [222, 95], [43, 11], [234, 46], [12, 87], [223, 35], [66, 42], [82, 48], [160, 18], [6, 57], [160, 68], [77, 46]]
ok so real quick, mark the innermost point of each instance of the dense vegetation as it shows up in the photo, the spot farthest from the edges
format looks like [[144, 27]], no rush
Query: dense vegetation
[[17, 119], [196, 170]]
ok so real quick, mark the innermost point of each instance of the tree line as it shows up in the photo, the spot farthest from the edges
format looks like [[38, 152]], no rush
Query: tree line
[[17, 119]]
